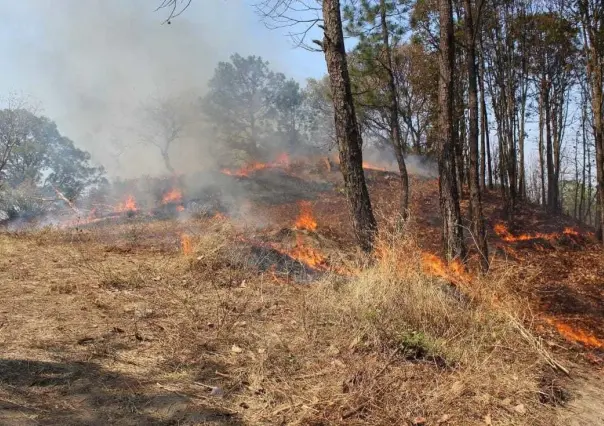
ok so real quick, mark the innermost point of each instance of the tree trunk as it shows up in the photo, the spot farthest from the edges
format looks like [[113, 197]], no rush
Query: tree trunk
[[583, 174], [484, 117], [478, 227], [395, 128], [166, 157], [595, 72], [541, 151], [521, 171], [453, 241], [346, 127], [549, 154]]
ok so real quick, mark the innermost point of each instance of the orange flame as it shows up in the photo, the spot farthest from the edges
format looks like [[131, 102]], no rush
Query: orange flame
[[308, 255], [173, 196], [180, 208], [576, 334], [502, 231], [219, 216], [128, 205], [454, 271], [185, 243], [305, 219], [281, 161], [370, 166]]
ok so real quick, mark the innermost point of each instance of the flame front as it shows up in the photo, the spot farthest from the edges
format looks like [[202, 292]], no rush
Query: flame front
[[305, 219], [173, 196], [370, 166], [503, 233], [308, 255], [185, 243], [576, 334], [128, 206], [454, 271], [282, 161]]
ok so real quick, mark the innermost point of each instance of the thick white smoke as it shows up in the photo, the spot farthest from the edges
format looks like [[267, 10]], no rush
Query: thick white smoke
[[92, 64]]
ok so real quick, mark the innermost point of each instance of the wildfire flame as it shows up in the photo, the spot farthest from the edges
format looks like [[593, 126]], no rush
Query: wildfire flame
[[173, 196], [128, 206], [308, 255], [305, 219], [185, 243], [502, 231], [281, 161], [370, 166], [454, 271], [576, 334]]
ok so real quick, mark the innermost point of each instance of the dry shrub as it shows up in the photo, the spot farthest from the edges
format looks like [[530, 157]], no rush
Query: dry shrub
[[471, 358]]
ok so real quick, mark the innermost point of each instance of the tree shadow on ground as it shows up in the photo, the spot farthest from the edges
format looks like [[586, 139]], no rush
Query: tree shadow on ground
[[81, 393]]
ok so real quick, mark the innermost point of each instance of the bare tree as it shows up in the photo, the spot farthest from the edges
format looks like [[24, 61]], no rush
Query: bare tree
[[163, 123]]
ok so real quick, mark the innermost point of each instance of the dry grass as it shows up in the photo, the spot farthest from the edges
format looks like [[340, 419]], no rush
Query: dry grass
[[385, 345]]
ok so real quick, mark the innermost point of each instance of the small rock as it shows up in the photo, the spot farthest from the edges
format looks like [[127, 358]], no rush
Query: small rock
[[520, 409], [244, 405], [487, 420], [210, 325], [261, 350], [419, 421], [236, 349], [507, 401], [240, 324], [158, 278]]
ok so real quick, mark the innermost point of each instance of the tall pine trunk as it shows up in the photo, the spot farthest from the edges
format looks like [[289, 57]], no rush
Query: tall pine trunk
[[395, 128], [453, 242], [541, 148], [478, 227], [346, 127]]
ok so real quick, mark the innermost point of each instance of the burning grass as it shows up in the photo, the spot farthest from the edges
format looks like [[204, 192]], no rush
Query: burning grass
[[201, 323]]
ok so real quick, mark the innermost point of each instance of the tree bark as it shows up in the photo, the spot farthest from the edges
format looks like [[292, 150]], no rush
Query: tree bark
[[478, 227], [549, 152], [347, 130], [453, 242], [395, 128], [541, 151], [485, 119]]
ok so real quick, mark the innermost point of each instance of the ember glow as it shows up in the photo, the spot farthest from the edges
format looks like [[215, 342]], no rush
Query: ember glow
[[576, 334], [305, 219], [173, 196], [127, 206], [502, 231]]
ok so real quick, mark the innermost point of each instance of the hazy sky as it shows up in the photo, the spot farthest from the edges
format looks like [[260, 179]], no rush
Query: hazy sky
[[90, 63]]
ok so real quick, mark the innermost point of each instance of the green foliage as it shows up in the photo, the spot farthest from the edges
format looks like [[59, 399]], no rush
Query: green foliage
[[40, 161]]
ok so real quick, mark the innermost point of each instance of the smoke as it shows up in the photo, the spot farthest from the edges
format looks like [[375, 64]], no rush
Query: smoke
[[95, 64], [417, 165]]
